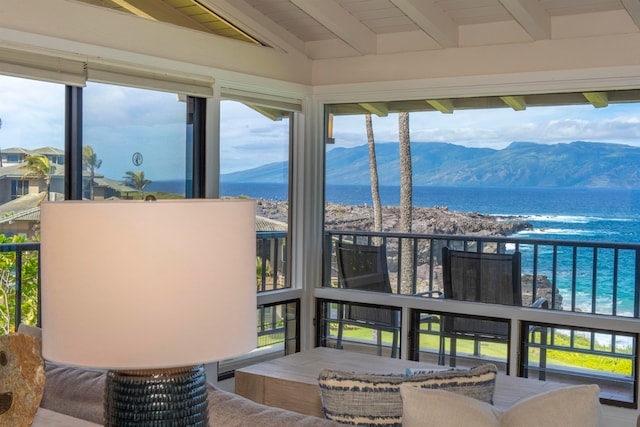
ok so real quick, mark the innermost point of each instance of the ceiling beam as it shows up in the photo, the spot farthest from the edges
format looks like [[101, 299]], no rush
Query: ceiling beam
[[633, 9], [445, 106], [255, 23], [341, 23], [161, 11], [597, 99], [380, 109], [126, 5], [531, 16], [518, 103], [431, 19], [270, 113]]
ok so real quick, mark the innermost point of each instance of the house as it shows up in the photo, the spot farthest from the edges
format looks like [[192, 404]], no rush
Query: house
[[311, 59], [16, 181]]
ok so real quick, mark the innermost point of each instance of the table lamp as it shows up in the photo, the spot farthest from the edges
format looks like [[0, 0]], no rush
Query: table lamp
[[150, 291]]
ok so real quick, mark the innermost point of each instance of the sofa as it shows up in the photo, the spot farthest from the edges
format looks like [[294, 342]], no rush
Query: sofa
[[79, 392], [427, 399]]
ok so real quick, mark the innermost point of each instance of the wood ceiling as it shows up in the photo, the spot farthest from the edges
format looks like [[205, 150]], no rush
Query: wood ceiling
[[325, 29], [321, 28]]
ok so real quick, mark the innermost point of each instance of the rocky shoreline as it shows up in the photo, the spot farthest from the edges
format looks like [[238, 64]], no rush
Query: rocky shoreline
[[434, 220]]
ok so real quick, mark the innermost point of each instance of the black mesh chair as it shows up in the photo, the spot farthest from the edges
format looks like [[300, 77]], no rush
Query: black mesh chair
[[480, 277], [364, 268]]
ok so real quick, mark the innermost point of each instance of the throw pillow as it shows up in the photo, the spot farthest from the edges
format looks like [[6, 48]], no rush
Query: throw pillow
[[374, 399], [576, 406]]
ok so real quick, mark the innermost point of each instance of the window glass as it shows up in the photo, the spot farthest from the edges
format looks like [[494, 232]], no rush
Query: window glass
[[31, 151], [556, 185], [134, 143], [254, 162], [560, 173]]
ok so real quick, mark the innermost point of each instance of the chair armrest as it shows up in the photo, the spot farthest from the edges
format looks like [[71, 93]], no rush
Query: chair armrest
[[541, 303], [421, 294]]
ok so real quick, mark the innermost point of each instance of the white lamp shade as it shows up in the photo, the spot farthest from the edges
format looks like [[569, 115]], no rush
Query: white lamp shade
[[142, 285]]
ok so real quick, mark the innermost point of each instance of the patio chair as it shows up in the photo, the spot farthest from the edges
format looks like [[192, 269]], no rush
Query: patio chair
[[481, 277], [364, 268]]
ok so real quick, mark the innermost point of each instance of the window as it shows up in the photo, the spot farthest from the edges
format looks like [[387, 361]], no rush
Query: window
[[134, 143], [31, 126], [19, 188], [556, 183], [254, 162]]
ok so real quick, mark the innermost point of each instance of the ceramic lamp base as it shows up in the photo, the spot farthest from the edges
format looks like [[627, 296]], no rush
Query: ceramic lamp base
[[174, 397]]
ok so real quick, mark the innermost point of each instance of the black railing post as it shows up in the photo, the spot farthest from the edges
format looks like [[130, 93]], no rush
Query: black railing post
[[18, 298]]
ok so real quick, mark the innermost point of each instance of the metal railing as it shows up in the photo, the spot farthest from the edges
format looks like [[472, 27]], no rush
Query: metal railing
[[578, 278], [271, 268], [19, 284]]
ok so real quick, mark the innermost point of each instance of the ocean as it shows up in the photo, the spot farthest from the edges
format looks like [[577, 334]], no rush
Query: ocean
[[567, 214], [597, 215]]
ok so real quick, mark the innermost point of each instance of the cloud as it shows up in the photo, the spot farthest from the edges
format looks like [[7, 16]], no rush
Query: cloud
[[497, 128], [248, 139], [119, 121], [32, 113]]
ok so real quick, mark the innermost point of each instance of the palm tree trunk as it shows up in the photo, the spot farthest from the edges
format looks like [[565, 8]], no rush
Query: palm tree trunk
[[373, 173], [406, 203]]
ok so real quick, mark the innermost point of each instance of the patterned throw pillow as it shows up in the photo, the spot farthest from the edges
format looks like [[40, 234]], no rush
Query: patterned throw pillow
[[374, 400]]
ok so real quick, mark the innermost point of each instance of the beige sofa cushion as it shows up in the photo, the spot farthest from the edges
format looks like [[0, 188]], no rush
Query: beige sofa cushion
[[231, 410], [576, 406], [78, 392]]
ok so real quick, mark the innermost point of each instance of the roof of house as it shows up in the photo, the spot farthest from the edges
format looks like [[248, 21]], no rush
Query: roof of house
[[266, 224], [21, 204], [34, 152], [29, 215], [112, 183], [18, 170]]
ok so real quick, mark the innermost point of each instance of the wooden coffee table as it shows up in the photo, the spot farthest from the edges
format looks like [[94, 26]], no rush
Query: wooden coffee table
[[291, 382]]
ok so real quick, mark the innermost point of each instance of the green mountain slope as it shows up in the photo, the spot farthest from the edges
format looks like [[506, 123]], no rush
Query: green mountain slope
[[522, 164]]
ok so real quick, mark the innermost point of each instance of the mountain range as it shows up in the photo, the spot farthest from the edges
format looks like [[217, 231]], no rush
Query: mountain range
[[577, 164]]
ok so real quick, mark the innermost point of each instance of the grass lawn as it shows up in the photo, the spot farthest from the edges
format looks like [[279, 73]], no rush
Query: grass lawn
[[498, 351]]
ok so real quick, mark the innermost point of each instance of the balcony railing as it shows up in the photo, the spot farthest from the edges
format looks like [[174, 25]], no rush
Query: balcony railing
[[590, 333], [278, 322], [271, 268], [592, 289], [19, 285]]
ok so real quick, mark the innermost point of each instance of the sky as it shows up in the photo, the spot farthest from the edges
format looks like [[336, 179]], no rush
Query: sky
[[122, 121], [497, 128]]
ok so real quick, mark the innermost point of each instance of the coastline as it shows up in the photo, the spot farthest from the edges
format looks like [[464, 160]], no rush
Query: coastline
[[426, 220]]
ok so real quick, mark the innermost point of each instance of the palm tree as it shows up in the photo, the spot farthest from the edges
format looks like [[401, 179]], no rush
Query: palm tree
[[373, 173], [90, 162], [406, 202], [40, 167], [137, 181]]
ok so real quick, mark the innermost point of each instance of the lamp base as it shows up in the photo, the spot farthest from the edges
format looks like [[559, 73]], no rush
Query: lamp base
[[173, 397]]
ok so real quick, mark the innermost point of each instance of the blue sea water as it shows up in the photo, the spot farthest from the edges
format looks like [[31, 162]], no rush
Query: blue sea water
[[599, 215], [569, 214]]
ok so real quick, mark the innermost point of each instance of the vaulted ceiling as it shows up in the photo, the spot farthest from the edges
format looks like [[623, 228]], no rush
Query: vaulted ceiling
[[326, 29], [340, 28]]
